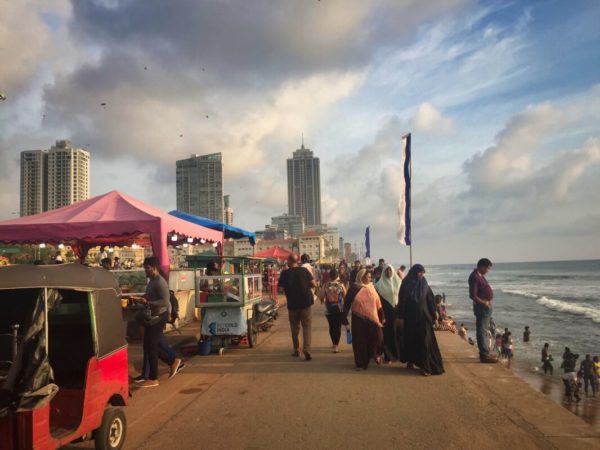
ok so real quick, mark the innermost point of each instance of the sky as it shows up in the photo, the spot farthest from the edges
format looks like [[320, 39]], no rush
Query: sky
[[502, 100]]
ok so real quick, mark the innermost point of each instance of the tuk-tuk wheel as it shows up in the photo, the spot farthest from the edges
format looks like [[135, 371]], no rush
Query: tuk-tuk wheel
[[111, 433], [252, 333]]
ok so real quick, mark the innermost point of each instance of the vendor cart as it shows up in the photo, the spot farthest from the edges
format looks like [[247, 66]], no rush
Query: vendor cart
[[226, 290]]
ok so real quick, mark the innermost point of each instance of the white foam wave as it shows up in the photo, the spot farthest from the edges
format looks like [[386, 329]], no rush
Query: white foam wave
[[571, 308], [561, 306], [519, 292]]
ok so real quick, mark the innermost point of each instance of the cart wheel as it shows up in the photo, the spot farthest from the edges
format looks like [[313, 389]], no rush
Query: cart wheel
[[221, 351], [111, 433], [252, 333]]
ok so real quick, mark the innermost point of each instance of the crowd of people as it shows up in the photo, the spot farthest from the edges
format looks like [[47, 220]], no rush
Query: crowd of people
[[389, 315]]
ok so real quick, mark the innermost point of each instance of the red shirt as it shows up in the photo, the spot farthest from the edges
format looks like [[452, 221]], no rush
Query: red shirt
[[479, 287]]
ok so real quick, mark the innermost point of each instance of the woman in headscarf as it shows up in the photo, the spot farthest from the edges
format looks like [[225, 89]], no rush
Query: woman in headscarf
[[416, 309], [367, 320], [388, 288]]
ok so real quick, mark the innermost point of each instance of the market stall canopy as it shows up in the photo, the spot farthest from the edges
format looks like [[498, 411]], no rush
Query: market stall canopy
[[228, 230], [276, 252], [109, 219]]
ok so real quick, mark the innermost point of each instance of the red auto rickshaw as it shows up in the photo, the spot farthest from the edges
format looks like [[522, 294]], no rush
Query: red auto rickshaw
[[63, 357]]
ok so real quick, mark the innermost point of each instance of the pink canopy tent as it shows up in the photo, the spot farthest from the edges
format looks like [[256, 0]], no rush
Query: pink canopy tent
[[110, 219], [275, 252]]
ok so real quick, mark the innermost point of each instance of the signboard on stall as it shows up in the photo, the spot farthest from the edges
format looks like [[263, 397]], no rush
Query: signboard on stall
[[224, 322]]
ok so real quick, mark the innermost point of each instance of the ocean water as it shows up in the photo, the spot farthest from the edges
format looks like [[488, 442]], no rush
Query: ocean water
[[558, 300]]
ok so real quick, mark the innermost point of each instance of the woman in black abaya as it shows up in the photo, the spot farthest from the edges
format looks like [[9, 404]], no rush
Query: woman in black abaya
[[414, 318]]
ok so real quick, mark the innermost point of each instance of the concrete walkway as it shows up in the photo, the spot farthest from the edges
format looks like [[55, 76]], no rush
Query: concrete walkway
[[264, 398]]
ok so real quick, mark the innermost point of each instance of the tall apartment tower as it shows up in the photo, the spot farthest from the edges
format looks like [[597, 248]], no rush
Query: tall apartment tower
[[34, 190], [200, 186], [68, 175], [227, 211], [304, 186], [54, 178]]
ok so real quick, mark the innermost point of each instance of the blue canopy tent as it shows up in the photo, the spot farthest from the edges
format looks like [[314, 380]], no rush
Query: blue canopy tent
[[228, 230]]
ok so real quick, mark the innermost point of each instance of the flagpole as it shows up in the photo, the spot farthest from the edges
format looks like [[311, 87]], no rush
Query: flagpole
[[411, 179]]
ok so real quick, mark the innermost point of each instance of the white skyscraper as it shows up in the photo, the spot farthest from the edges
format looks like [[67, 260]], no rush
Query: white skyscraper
[[54, 178], [68, 175]]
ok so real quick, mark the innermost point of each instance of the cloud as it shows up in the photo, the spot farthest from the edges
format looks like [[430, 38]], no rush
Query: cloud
[[429, 120], [511, 159]]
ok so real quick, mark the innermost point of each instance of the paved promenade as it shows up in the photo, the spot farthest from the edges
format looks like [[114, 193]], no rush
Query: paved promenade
[[263, 398]]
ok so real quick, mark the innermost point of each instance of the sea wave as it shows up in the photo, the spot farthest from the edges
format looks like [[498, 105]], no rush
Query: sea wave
[[579, 309], [520, 292]]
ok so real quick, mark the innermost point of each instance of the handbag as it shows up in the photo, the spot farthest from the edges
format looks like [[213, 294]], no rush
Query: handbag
[[348, 336]]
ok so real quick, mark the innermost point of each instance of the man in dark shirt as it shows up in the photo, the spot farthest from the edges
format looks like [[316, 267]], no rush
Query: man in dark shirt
[[481, 293], [354, 271], [157, 298], [297, 282]]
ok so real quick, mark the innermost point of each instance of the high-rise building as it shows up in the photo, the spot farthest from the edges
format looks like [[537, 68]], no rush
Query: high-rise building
[[68, 175], [348, 252], [227, 211], [304, 186], [54, 178], [200, 186], [294, 225], [33, 182]]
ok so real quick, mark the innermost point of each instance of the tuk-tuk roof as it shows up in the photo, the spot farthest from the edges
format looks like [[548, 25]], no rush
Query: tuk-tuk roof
[[76, 276]]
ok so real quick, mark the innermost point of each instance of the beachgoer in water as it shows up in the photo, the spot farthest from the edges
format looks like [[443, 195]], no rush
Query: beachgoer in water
[[367, 320], [597, 370], [504, 339], [569, 361], [415, 314], [498, 345], [526, 334], [482, 295], [547, 359], [388, 288], [589, 376], [508, 346]]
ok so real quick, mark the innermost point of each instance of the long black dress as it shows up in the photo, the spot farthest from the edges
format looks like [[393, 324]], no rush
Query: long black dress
[[390, 345], [419, 346]]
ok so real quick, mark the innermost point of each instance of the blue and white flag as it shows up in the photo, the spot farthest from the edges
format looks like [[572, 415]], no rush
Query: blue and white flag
[[404, 200], [368, 242]]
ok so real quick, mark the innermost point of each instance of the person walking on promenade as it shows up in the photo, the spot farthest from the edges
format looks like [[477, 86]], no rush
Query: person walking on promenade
[[414, 317], [589, 376], [547, 359], [388, 288], [481, 294], [157, 298], [354, 271], [298, 283], [332, 294], [401, 273], [367, 320], [344, 275]]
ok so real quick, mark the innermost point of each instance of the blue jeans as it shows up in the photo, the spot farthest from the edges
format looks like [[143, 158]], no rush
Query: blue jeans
[[165, 354], [482, 325]]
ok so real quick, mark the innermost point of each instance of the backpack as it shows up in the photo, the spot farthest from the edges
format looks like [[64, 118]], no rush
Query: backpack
[[333, 298], [174, 308]]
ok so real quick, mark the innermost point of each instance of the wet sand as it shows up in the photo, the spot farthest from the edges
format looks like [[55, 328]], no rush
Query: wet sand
[[551, 386]]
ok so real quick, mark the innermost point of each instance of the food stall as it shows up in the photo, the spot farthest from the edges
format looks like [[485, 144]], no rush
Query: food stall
[[226, 290]]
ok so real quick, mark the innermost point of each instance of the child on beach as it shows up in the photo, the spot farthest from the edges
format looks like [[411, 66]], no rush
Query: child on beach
[[462, 332], [498, 346], [508, 346]]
